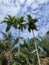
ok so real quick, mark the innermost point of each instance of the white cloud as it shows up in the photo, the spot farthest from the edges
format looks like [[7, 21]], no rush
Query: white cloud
[[0, 2], [5, 1], [34, 5], [10, 10], [21, 1], [36, 10], [42, 1], [29, 2]]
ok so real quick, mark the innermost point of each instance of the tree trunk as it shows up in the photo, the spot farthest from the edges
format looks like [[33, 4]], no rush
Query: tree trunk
[[36, 49], [19, 44], [0, 62]]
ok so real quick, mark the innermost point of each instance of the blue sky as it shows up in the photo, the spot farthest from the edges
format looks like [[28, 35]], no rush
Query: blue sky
[[37, 8]]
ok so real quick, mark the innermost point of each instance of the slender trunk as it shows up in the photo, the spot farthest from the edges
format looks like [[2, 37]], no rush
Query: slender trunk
[[36, 49], [19, 44], [0, 62]]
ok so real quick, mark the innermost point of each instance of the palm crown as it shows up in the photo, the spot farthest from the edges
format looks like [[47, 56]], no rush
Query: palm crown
[[31, 23], [15, 22]]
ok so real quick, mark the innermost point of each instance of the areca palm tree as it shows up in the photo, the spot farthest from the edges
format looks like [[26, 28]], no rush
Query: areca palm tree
[[44, 43], [17, 23], [47, 36], [42, 53], [6, 54], [32, 26], [20, 27], [26, 57], [6, 48]]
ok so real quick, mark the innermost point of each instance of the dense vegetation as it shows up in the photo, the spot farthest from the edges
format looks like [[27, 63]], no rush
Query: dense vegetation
[[34, 51]]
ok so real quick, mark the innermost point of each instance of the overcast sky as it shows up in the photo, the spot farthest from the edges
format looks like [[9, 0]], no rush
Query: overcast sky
[[37, 8]]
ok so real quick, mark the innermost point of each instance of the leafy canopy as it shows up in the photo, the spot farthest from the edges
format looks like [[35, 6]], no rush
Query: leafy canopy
[[17, 23], [31, 23]]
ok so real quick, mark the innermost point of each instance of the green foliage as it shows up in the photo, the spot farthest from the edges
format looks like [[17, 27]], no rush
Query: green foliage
[[23, 58], [15, 22], [18, 22], [31, 23], [25, 55], [6, 48], [10, 21], [9, 48], [44, 43]]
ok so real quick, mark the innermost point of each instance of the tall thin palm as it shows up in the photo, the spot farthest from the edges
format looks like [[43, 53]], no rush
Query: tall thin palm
[[20, 27], [32, 26], [17, 23]]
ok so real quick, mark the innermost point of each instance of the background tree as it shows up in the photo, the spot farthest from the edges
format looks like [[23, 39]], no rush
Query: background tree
[[7, 45], [25, 56], [44, 43]]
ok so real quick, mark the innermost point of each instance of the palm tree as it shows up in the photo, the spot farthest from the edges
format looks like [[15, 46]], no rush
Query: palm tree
[[47, 36], [44, 43], [25, 56], [6, 55], [32, 26], [7, 45], [17, 23], [20, 27]]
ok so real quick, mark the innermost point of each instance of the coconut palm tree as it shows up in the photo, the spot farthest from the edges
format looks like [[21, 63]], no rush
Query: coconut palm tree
[[32, 26]]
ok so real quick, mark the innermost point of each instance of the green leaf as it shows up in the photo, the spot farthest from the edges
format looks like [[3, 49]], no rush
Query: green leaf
[[8, 28]]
